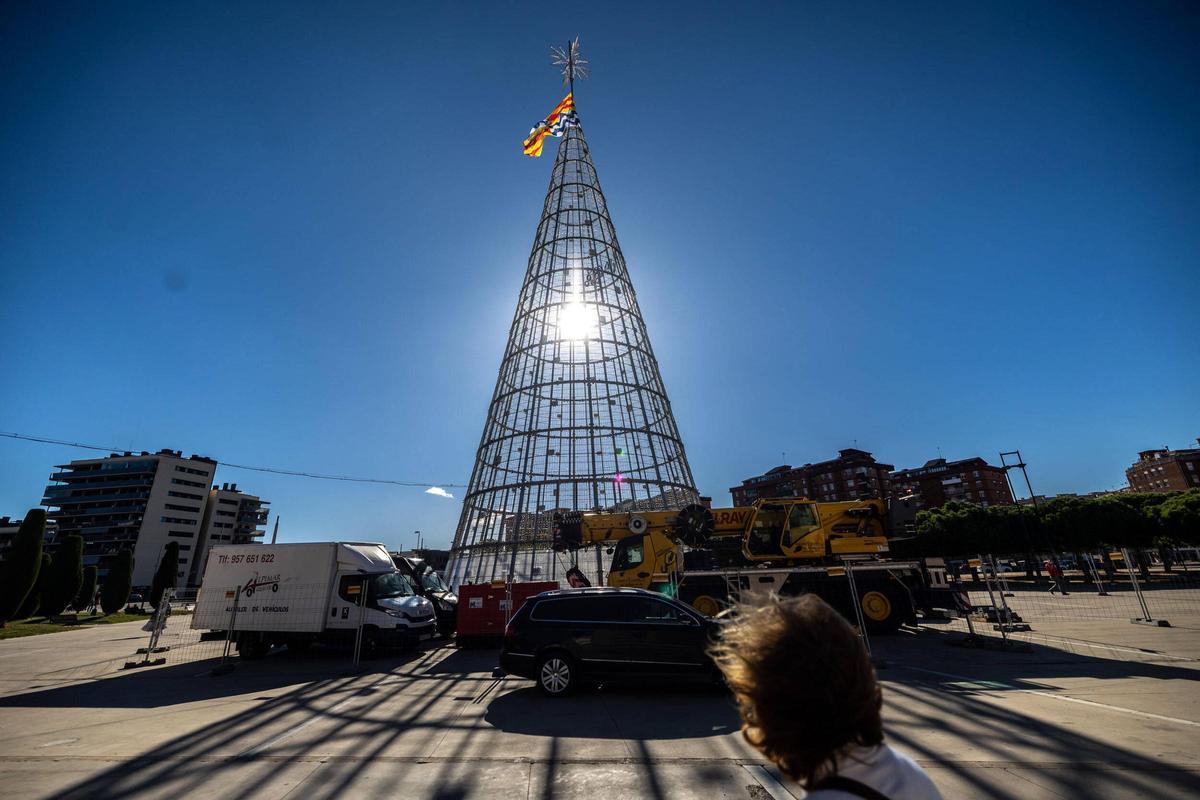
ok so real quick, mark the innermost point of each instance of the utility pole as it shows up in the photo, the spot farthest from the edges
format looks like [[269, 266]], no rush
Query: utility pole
[[275, 535]]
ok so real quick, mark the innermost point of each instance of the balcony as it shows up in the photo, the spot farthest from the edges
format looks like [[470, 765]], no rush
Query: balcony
[[60, 498], [108, 511]]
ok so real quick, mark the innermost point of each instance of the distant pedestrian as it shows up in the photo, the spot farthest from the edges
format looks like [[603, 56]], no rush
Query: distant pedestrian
[[1058, 581], [810, 702]]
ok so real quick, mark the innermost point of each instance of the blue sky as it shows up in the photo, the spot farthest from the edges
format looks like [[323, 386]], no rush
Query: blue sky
[[292, 234]]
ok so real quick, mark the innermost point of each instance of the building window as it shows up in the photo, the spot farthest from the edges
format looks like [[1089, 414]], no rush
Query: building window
[[182, 482], [170, 507], [181, 534], [178, 521], [185, 495]]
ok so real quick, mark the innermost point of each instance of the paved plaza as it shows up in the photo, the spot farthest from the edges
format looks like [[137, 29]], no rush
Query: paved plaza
[[1099, 709]]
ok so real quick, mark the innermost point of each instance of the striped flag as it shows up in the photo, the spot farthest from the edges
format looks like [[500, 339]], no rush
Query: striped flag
[[555, 124]]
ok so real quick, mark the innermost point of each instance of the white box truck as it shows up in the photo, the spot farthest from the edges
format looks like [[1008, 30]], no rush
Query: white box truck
[[297, 594]]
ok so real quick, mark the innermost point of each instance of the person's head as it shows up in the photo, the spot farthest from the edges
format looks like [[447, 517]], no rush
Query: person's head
[[803, 681]]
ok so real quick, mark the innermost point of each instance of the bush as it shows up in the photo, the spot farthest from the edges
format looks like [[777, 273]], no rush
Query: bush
[[165, 575], [118, 582], [19, 572], [87, 590], [33, 600], [66, 573]]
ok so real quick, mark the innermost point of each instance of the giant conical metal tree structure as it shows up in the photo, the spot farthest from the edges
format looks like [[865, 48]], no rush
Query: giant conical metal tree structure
[[580, 418]]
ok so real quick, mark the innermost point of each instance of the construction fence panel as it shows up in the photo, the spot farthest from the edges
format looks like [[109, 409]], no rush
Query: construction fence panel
[[1077, 611]]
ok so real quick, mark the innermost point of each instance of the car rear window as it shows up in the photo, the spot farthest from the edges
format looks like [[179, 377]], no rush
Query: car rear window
[[576, 609]]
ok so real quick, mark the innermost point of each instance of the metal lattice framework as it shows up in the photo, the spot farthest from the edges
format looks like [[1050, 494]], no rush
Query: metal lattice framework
[[580, 419]]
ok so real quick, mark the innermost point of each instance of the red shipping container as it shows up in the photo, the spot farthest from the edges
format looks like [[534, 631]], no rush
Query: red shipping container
[[483, 607]]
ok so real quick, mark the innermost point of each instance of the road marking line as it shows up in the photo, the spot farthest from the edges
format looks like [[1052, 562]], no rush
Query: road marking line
[[1065, 698], [767, 781], [58, 741], [1100, 646], [253, 751]]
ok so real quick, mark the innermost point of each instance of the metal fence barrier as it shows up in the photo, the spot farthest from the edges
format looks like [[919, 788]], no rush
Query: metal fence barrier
[[1004, 608]]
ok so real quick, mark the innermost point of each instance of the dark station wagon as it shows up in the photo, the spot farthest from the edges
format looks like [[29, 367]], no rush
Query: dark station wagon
[[561, 638]]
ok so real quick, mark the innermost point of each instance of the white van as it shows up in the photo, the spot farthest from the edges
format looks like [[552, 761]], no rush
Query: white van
[[297, 594]]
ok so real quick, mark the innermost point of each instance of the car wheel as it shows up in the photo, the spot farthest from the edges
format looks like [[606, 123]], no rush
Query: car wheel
[[556, 674]]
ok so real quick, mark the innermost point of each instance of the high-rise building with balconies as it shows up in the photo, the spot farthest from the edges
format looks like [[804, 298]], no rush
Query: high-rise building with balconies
[[132, 501], [231, 517]]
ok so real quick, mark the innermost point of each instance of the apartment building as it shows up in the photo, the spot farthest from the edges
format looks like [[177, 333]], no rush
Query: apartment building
[[853, 475], [969, 480], [231, 516], [132, 501]]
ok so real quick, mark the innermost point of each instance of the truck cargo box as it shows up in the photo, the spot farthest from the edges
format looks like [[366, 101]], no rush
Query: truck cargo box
[[284, 587]]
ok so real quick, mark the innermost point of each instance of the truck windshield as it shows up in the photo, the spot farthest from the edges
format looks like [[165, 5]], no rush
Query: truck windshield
[[390, 584], [433, 582]]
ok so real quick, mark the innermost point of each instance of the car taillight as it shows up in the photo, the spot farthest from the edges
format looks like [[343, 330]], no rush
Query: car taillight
[[509, 634]]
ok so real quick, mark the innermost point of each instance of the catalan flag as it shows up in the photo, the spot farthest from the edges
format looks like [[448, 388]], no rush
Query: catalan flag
[[555, 124]]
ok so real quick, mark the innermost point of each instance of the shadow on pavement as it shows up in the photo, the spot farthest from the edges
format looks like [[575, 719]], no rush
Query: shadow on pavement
[[194, 681], [647, 713], [363, 717]]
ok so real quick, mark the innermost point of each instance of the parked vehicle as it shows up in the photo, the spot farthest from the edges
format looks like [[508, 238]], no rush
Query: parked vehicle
[[428, 583], [298, 594], [787, 545], [563, 637]]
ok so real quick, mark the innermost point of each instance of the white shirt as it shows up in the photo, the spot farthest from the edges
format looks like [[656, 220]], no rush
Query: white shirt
[[892, 774]]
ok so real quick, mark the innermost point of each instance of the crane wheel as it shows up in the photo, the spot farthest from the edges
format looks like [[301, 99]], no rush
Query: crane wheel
[[707, 605], [638, 524], [693, 525], [884, 611]]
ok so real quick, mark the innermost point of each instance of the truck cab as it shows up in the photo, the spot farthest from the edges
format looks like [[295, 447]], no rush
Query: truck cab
[[428, 583]]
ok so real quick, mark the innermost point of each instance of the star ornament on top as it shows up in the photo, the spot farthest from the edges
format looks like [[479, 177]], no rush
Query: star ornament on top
[[570, 62]]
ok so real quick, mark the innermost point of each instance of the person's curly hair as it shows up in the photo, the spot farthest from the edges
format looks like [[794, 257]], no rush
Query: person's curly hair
[[803, 681]]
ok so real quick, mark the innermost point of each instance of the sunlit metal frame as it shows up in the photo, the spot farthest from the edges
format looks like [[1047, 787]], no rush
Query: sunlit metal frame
[[578, 423]]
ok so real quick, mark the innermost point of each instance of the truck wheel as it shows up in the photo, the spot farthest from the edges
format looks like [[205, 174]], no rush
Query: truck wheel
[[884, 611], [252, 646], [556, 674], [299, 646], [370, 644]]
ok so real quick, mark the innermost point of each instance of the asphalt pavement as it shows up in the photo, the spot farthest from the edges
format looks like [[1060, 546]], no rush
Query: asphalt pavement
[[1098, 709]]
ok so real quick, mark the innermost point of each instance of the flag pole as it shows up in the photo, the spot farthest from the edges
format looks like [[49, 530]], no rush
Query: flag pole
[[571, 68]]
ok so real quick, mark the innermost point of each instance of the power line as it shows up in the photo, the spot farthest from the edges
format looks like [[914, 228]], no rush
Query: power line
[[272, 470]]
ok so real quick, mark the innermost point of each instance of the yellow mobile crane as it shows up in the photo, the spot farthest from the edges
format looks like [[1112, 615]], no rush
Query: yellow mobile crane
[[785, 545]]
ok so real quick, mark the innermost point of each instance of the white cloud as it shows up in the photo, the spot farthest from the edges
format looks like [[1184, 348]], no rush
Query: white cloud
[[439, 491]]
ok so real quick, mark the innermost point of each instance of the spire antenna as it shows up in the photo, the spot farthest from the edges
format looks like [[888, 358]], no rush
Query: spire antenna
[[570, 63]]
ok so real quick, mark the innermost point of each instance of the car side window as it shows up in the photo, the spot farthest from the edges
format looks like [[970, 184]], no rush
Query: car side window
[[560, 610], [646, 609]]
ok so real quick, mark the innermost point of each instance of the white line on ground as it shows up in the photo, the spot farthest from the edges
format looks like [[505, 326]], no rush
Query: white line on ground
[[1062, 697], [768, 781], [1099, 646], [293, 731]]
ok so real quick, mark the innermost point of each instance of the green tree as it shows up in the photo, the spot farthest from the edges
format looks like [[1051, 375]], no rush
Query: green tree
[[87, 590], [33, 600], [1179, 516], [115, 591], [165, 575], [23, 561], [66, 573]]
